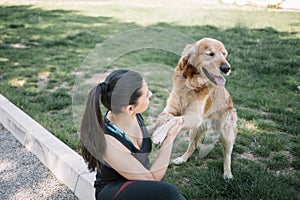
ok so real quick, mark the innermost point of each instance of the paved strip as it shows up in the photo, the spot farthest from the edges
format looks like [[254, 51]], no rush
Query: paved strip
[[67, 165], [23, 176]]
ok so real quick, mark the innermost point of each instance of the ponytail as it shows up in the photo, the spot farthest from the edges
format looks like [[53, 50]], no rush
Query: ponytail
[[92, 139]]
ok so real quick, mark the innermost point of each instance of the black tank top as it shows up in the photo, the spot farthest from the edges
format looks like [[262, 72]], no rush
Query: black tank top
[[107, 174]]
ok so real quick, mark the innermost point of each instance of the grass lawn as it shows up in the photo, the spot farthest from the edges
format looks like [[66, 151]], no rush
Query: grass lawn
[[44, 47]]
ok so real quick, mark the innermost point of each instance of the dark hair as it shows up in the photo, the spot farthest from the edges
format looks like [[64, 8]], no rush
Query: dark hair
[[120, 88]]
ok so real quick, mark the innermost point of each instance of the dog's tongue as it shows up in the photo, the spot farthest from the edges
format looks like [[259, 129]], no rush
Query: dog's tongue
[[219, 80]]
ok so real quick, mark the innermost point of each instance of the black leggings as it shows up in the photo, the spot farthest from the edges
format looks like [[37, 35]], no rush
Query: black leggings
[[146, 190]]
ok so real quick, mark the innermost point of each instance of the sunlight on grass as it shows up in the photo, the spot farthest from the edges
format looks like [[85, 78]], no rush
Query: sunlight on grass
[[250, 126], [17, 82], [43, 75], [4, 59]]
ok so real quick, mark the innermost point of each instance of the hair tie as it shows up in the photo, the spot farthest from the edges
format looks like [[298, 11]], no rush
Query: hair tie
[[104, 87]]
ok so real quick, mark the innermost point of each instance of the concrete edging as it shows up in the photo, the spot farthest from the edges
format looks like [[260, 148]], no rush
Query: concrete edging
[[68, 166]]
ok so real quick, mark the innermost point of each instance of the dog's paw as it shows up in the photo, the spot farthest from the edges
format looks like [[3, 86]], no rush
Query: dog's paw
[[178, 160], [163, 118], [159, 135], [161, 132], [227, 175]]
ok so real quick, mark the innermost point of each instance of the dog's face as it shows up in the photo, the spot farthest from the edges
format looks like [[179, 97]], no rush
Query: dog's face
[[204, 62]]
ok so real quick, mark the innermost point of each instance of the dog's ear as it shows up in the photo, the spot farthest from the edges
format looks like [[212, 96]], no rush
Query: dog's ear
[[186, 57], [186, 68], [189, 53], [185, 64], [182, 64]]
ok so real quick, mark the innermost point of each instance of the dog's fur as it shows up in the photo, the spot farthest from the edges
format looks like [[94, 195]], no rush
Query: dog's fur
[[199, 96]]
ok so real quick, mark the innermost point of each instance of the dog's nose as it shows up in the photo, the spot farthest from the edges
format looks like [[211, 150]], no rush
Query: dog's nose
[[225, 68]]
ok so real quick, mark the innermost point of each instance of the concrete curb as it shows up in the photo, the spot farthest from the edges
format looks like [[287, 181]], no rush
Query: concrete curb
[[63, 162]]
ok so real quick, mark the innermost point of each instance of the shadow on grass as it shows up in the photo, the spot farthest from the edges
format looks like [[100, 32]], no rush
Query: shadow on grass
[[41, 50]]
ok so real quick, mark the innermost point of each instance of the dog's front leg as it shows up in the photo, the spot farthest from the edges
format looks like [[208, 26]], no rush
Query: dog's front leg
[[158, 131], [192, 116], [191, 121], [229, 133]]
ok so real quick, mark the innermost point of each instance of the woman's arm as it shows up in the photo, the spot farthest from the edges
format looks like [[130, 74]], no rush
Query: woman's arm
[[124, 163]]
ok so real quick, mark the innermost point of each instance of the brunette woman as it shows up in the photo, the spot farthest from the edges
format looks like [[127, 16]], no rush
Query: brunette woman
[[118, 144]]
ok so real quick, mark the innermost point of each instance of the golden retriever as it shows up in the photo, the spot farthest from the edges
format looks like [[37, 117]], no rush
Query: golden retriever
[[199, 96]]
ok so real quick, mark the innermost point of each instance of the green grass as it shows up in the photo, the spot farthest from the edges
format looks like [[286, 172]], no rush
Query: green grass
[[42, 48]]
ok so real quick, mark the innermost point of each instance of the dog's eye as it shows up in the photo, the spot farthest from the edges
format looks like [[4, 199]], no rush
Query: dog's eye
[[210, 54]]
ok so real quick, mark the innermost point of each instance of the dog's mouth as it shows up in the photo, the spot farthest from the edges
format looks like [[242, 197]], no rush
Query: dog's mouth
[[216, 80]]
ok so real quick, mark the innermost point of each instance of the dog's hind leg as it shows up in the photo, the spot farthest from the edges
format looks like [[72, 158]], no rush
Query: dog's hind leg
[[228, 135], [195, 136]]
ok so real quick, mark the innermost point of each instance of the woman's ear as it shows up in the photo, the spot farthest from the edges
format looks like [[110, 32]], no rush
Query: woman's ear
[[130, 109]]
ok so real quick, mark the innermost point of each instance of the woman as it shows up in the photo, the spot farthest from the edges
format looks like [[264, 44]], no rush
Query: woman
[[118, 144]]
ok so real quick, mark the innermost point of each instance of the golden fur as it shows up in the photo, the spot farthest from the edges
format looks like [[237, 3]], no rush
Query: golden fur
[[199, 96]]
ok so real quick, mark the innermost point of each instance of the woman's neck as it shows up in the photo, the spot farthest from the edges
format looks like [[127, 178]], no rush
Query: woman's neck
[[126, 123]]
